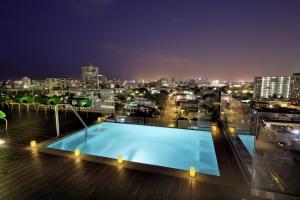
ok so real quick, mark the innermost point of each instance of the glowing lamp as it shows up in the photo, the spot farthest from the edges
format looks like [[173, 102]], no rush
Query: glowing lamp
[[171, 125], [120, 159], [231, 130], [2, 141], [192, 171], [99, 119], [77, 152], [33, 144], [214, 128]]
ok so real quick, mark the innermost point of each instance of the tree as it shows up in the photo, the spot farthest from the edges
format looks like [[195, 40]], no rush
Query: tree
[[119, 107]]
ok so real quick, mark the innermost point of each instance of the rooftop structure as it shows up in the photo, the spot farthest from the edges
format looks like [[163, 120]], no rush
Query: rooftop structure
[[35, 175]]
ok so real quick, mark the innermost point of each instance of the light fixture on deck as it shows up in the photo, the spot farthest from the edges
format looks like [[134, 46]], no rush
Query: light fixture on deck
[[231, 130], [33, 144], [77, 152], [120, 159], [171, 125], [192, 171], [214, 128]]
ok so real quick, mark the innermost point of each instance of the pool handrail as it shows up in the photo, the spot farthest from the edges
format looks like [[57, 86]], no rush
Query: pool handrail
[[76, 113]]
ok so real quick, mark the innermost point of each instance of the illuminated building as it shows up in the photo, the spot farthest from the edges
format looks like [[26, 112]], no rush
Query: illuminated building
[[295, 86], [90, 76], [26, 82], [58, 83], [272, 87]]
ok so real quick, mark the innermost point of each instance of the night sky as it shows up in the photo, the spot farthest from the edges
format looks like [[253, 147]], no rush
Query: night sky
[[148, 39]]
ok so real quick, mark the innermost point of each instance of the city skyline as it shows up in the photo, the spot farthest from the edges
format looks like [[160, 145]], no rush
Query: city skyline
[[148, 40]]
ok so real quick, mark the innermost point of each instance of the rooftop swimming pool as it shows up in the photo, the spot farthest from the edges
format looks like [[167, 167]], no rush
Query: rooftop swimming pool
[[248, 141], [166, 147]]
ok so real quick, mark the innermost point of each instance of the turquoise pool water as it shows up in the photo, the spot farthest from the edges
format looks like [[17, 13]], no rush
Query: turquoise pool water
[[167, 147], [248, 141]]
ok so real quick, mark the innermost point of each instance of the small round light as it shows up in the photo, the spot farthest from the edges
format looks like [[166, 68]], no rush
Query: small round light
[[192, 171], [33, 144], [214, 127], [120, 159], [77, 152]]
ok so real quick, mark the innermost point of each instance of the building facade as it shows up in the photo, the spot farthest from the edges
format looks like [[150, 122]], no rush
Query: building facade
[[277, 86], [26, 82], [272, 87], [90, 76], [295, 86], [58, 83]]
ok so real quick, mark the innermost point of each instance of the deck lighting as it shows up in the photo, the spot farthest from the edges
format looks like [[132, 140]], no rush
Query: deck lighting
[[77, 152], [33, 144], [231, 130], [192, 171], [214, 128], [2, 141], [171, 125], [120, 159]]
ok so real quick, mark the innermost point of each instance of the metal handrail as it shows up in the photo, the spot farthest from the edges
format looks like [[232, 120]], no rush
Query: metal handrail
[[5, 123], [76, 113]]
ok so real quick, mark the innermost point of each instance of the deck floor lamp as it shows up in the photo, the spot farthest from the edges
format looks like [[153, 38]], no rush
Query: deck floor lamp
[[2, 116]]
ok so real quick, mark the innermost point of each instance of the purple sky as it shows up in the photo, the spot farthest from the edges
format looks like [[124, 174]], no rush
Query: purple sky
[[148, 39]]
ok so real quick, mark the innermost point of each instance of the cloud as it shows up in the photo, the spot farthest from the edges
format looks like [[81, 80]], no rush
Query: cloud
[[91, 7], [139, 56]]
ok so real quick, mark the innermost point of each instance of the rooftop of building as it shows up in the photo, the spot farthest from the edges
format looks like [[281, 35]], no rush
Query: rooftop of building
[[30, 174]]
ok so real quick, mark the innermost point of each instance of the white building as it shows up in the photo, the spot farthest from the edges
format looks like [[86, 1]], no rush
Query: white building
[[90, 76], [26, 82], [107, 101], [58, 83], [39, 84], [218, 83], [272, 87]]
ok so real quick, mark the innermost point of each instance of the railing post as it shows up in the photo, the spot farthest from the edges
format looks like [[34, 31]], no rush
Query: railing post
[[56, 120], [5, 124], [76, 113]]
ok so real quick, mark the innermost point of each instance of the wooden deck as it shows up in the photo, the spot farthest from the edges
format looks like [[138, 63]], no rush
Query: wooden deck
[[29, 174]]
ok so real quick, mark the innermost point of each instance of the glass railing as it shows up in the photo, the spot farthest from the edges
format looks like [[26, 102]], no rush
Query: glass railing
[[267, 145]]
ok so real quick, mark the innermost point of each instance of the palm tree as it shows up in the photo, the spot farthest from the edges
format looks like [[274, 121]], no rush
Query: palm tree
[[2, 116]]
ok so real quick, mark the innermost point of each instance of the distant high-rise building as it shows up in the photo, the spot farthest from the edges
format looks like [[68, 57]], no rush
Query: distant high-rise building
[[58, 83], [107, 101], [39, 84], [295, 86], [102, 79], [90, 76], [26, 82], [272, 87]]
